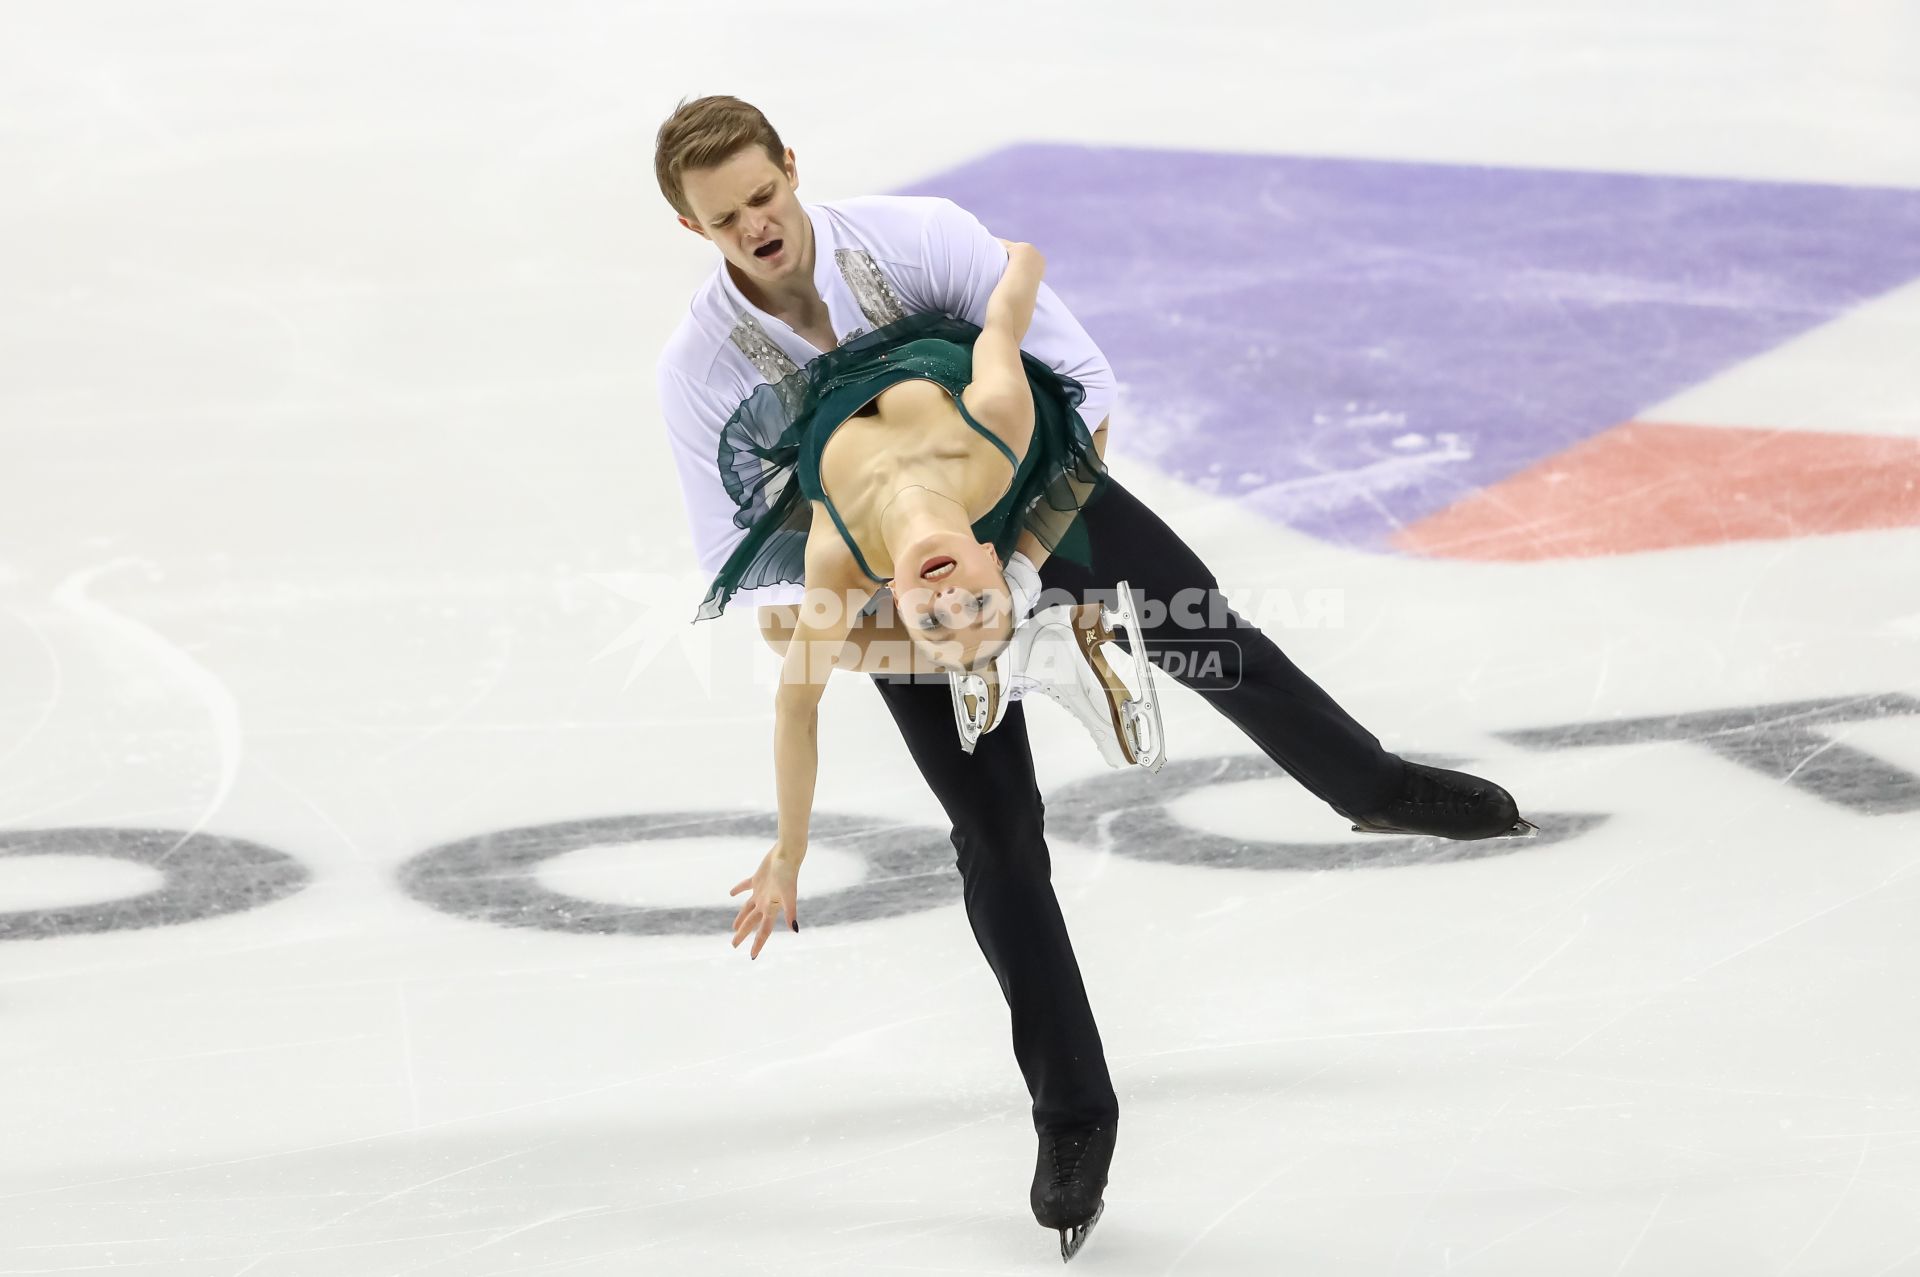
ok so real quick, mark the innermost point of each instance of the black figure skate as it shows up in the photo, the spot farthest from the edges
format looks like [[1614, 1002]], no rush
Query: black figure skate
[[1446, 804], [1069, 1180]]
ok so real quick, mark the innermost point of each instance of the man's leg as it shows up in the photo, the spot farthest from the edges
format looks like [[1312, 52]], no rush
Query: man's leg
[[993, 802], [1205, 645]]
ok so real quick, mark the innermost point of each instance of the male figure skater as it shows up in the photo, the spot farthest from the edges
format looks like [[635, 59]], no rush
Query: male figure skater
[[797, 280]]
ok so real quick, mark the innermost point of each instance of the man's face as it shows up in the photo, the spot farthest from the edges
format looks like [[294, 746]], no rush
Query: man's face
[[747, 208]]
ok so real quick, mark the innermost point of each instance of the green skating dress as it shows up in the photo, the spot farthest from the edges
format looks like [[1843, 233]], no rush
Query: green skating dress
[[770, 452]]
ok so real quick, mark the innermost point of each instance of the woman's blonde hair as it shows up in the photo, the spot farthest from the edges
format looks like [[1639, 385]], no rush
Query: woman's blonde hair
[[703, 133]]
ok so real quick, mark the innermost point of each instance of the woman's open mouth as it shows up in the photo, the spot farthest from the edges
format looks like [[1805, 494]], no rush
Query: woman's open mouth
[[769, 250], [936, 568]]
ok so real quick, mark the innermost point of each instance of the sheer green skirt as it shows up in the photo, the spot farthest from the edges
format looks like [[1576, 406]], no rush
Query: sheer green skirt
[[770, 448]]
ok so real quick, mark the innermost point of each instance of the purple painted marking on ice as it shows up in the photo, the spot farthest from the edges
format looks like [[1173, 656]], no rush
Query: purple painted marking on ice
[[1283, 325]]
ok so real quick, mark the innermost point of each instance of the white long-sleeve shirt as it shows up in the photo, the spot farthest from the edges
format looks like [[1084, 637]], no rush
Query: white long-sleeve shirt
[[934, 256]]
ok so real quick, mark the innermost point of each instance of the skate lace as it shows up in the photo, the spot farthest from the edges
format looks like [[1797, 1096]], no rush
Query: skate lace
[[1068, 1152], [1423, 791]]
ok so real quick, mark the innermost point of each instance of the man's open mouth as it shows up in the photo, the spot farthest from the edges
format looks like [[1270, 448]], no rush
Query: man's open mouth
[[769, 249]]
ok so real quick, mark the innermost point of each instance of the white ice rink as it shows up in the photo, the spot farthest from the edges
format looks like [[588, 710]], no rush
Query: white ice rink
[[337, 525]]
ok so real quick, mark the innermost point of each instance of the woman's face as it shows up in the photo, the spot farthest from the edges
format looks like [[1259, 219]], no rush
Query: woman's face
[[952, 598]]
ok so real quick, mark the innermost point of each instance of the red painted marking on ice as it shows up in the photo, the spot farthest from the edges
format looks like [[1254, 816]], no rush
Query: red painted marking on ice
[[1649, 486]]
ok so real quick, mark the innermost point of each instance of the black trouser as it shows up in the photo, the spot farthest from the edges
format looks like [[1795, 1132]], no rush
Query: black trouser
[[994, 803]]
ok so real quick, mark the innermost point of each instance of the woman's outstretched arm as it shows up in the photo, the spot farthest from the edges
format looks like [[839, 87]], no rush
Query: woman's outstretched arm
[[817, 648]]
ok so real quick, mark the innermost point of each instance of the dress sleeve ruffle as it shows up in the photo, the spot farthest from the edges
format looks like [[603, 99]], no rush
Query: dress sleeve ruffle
[[759, 461]]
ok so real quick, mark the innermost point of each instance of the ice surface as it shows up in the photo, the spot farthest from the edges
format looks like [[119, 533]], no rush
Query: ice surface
[[338, 539]]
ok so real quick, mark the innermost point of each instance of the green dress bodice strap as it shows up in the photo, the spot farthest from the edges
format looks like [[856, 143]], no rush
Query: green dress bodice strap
[[770, 449]]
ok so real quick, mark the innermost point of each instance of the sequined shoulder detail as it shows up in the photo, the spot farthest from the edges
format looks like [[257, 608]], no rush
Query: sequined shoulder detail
[[772, 362], [870, 288]]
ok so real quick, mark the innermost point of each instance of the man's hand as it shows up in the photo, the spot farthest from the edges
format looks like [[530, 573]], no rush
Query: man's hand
[[776, 889]]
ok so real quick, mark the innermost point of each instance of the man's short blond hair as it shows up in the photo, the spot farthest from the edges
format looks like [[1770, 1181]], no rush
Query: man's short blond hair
[[704, 133]]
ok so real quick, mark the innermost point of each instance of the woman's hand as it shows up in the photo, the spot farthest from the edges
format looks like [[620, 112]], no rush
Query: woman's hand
[[776, 888], [1018, 250]]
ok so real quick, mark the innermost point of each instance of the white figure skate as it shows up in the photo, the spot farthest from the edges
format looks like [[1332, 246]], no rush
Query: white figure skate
[[1057, 652]]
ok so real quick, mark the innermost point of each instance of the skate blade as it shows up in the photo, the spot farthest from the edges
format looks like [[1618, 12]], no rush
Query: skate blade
[[976, 706], [1146, 735], [1143, 736], [1522, 828], [1072, 1239], [969, 709], [1136, 715]]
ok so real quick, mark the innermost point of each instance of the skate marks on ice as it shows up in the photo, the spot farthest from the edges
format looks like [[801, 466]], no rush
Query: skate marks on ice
[[1784, 742], [201, 876], [494, 877], [1131, 815], [1357, 346]]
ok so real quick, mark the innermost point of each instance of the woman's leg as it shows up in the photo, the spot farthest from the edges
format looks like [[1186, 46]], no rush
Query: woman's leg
[[993, 802]]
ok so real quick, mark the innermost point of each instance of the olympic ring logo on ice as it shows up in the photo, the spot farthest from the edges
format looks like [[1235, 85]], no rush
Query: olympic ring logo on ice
[[494, 877]]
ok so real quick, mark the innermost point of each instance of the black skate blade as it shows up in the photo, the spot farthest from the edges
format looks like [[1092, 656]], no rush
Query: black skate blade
[[1521, 828], [1072, 1239]]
